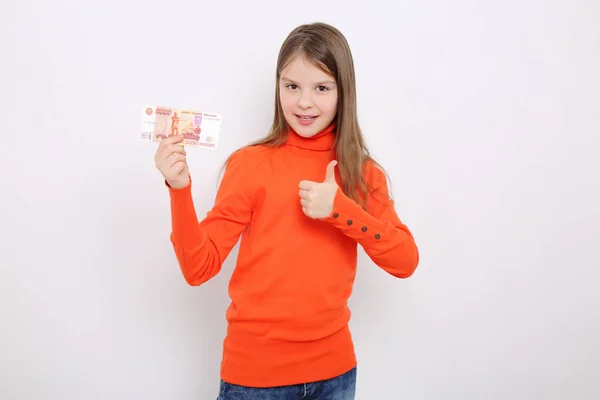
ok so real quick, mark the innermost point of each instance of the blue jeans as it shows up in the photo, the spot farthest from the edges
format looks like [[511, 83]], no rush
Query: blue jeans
[[342, 387]]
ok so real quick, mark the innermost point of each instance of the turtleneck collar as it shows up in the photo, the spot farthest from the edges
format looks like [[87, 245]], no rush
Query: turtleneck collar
[[322, 141]]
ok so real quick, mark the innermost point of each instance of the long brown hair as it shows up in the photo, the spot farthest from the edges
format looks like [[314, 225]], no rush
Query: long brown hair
[[328, 49]]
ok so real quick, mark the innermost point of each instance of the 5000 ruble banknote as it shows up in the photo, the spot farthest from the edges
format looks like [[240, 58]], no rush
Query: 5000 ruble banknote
[[199, 129]]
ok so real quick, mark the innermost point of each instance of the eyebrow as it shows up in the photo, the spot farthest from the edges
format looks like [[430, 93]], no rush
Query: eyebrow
[[285, 78]]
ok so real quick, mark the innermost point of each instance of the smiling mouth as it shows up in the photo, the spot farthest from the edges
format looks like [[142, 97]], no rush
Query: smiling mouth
[[306, 117]]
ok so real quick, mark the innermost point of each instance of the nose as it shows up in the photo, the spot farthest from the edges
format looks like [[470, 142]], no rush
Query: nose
[[305, 100]]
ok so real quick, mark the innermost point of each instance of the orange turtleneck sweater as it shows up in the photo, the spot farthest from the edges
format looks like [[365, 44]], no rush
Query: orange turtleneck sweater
[[288, 317]]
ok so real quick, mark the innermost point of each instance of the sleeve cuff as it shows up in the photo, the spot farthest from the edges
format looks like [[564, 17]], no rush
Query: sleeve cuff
[[353, 220], [179, 191], [185, 228]]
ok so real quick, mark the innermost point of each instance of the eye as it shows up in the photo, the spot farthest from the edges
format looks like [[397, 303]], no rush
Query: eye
[[322, 88], [291, 86]]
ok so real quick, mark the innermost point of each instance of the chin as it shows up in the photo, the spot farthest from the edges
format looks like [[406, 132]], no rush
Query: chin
[[306, 132]]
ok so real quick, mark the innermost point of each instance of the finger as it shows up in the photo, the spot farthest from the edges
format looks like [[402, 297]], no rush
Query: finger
[[173, 139], [330, 173], [175, 158], [307, 185], [177, 149], [304, 194], [170, 149], [180, 166], [171, 159], [304, 202], [166, 142]]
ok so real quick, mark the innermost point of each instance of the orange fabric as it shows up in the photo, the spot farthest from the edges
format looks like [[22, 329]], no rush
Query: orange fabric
[[288, 317]]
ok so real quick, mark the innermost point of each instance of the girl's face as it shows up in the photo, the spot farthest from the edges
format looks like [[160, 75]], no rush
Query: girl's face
[[308, 97]]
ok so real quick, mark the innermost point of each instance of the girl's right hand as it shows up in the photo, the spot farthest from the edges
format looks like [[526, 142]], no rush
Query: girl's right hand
[[170, 161]]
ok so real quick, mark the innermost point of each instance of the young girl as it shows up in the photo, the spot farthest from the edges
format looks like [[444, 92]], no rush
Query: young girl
[[301, 199]]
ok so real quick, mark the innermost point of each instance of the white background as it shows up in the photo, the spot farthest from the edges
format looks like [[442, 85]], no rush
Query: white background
[[485, 114]]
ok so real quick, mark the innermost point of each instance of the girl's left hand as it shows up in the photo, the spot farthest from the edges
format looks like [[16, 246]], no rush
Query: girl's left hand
[[317, 198]]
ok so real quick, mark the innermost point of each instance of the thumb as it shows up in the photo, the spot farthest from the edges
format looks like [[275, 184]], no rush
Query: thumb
[[330, 175]]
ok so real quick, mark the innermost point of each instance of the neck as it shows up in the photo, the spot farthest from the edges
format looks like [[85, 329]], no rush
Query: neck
[[322, 141]]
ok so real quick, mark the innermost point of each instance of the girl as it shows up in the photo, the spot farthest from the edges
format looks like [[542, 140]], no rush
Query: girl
[[301, 199]]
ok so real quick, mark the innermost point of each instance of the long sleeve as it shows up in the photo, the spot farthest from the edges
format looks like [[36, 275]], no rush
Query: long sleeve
[[385, 239], [201, 247]]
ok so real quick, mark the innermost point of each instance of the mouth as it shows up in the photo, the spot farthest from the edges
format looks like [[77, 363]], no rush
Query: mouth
[[306, 118]]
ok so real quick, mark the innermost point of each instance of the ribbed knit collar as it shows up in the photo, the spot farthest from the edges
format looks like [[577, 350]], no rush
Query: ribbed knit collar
[[322, 141]]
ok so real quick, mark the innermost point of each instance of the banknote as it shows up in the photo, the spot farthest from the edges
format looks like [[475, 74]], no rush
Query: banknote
[[199, 129]]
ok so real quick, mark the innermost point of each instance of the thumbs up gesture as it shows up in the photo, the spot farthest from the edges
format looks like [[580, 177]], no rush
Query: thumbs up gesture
[[317, 198]]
